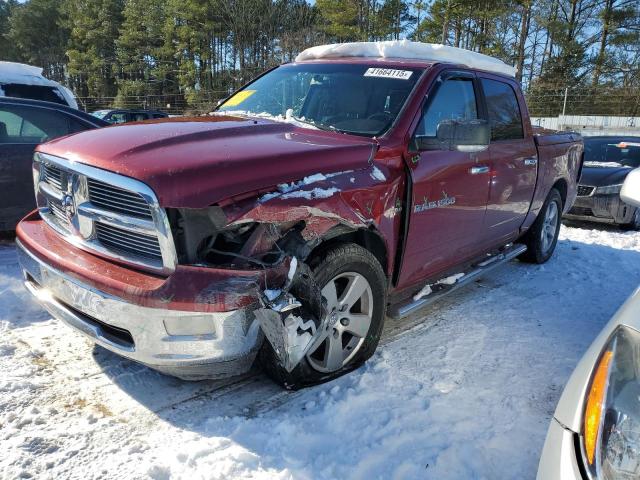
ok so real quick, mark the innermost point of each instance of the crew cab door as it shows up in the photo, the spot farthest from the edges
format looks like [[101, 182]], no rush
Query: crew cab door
[[513, 156], [449, 187]]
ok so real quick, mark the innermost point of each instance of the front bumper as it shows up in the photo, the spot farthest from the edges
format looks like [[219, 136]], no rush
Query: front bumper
[[225, 343], [559, 459], [602, 208]]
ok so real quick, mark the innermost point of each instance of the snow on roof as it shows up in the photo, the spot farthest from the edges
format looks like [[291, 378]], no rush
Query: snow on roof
[[22, 74], [407, 49], [11, 72]]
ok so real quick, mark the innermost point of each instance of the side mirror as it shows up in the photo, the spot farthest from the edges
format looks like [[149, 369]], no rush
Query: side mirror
[[461, 135], [630, 192]]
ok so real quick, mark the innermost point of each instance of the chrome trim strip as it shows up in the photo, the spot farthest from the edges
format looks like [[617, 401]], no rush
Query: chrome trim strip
[[82, 231]]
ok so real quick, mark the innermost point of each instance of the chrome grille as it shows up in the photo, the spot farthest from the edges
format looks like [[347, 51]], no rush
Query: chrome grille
[[117, 199], [585, 190], [58, 212], [128, 242], [104, 213], [52, 175]]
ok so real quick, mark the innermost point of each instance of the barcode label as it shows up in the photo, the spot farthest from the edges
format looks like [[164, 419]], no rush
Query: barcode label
[[388, 73]]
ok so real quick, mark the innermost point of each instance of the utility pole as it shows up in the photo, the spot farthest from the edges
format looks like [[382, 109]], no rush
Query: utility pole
[[564, 106]]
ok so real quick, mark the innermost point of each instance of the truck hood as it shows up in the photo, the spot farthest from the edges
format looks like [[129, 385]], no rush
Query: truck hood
[[603, 176], [196, 162]]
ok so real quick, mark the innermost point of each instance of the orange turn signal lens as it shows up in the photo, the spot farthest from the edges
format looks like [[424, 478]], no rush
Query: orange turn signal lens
[[595, 401]]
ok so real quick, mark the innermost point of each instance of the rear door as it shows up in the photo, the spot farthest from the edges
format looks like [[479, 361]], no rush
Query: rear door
[[22, 128], [514, 161], [450, 188]]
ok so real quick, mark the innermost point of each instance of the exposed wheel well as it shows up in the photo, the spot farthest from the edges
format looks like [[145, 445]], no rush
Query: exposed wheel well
[[561, 186], [367, 239]]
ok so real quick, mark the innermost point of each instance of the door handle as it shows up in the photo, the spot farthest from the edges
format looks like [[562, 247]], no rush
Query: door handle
[[478, 170], [531, 161]]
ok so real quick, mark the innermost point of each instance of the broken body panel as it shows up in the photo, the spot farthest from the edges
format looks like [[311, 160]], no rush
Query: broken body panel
[[251, 200]]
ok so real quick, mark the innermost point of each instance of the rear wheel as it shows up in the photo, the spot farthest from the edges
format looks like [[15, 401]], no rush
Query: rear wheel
[[354, 291], [542, 237]]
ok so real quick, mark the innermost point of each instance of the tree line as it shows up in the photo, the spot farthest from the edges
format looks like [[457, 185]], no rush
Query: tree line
[[198, 50]]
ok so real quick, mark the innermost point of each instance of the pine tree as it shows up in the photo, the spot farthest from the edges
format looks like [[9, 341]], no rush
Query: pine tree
[[94, 27], [38, 36]]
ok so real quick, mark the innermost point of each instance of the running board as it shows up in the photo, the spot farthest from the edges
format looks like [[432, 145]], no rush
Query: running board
[[400, 311]]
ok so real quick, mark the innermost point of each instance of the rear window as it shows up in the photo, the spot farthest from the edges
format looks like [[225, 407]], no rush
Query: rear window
[[504, 111], [612, 152], [34, 92]]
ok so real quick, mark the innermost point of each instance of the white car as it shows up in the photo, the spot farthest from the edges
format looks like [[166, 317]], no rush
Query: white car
[[595, 431], [26, 81]]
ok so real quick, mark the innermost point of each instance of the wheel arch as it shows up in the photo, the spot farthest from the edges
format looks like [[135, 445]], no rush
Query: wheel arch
[[369, 239], [563, 187]]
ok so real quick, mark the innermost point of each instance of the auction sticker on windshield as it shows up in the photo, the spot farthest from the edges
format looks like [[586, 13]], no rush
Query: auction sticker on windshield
[[238, 98], [388, 73]]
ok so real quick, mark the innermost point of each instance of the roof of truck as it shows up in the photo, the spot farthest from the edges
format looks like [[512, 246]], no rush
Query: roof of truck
[[405, 49]]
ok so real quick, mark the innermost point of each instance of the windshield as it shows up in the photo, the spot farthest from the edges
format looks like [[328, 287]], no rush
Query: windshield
[[612, 152], [357, 99]]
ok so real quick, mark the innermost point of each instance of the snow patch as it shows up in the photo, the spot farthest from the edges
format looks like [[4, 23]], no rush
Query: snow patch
[[414, 403], [424, 292], [288, 190], [605, 164], [427, 289], [407, 49], [287, 118], [377, 174], [314, 194], [272, 294]]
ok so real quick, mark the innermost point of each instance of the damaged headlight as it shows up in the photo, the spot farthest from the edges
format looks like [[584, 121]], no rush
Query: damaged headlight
[[205, 237], [609, 190], [611, 421]]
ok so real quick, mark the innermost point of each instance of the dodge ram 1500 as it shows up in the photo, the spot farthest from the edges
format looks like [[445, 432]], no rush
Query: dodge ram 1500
[[358, 182]]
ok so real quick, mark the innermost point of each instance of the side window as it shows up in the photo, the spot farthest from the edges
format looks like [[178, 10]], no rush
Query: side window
[[504, 112], [139, 116], [10, 126], [454, 100], [31, 125]]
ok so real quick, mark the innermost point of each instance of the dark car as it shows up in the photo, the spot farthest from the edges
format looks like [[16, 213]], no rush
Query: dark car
[[125, 116], [23, 125], [607, 162]]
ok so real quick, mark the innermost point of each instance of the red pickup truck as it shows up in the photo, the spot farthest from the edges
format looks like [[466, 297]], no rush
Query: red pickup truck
[[282, 228]]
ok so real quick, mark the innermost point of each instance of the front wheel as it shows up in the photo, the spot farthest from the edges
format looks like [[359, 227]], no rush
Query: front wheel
[[542, 237], [634, 224], [353, 288]]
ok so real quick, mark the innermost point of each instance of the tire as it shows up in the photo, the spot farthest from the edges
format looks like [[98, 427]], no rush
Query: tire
[[541, 239], [345, 264], [634, 224]]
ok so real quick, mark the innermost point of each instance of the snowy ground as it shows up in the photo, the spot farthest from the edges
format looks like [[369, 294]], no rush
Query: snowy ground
[[463, 390]]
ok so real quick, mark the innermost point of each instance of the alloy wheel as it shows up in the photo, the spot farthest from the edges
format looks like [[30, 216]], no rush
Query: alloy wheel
[[349, 307], [549, 226]]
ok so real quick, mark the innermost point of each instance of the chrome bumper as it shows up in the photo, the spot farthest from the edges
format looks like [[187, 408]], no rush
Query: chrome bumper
[[189, 345], [601, 208]]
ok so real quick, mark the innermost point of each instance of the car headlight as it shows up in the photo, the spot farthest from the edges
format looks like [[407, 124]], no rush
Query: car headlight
[[609, 190], [611, 421]]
